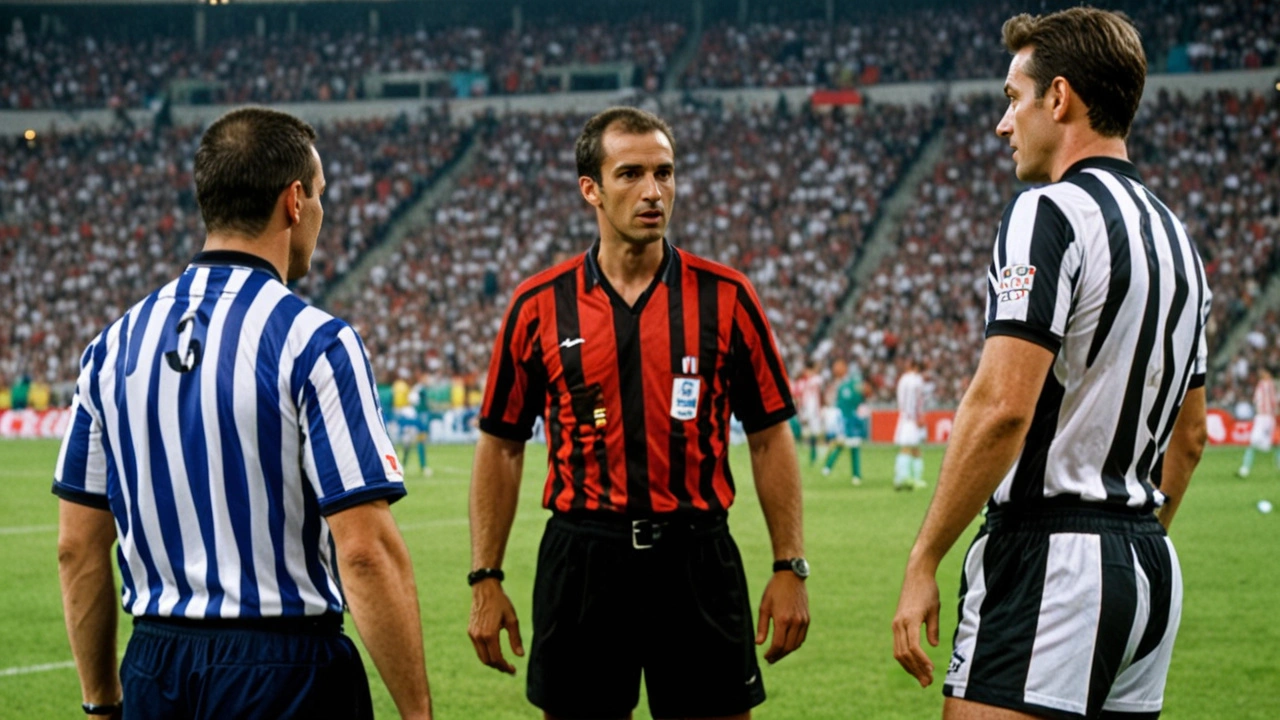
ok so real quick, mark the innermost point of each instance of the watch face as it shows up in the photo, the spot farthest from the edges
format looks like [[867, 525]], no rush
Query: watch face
[[801, 567]]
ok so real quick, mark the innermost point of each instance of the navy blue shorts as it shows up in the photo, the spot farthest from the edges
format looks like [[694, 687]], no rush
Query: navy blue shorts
[[181, 669]]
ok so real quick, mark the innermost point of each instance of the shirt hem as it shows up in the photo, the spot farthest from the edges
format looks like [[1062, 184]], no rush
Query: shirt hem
[[80, 497], [390, 492]]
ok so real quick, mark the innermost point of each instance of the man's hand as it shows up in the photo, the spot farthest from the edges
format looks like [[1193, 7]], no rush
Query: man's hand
[[786, 602], [917, 604], [491, 612]]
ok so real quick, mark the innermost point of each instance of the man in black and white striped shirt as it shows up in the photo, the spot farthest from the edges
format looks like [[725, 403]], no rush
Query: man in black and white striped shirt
[[1092, 377]]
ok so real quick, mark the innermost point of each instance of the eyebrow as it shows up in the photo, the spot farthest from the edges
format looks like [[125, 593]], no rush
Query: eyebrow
[[1008, 89], [638, 166]]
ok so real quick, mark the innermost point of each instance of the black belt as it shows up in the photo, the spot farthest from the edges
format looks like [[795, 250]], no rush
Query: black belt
[[1073, 518], [326, 624], [641, 533]]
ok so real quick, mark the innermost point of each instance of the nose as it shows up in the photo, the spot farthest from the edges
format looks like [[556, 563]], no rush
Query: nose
[[652, 190], [1004, 128]]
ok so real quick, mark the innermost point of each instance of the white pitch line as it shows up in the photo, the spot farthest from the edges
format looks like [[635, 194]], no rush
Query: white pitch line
[[6, 672], [27, 529]]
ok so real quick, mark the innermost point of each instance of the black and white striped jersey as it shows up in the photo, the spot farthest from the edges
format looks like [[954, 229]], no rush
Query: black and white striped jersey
[[1099, 271]]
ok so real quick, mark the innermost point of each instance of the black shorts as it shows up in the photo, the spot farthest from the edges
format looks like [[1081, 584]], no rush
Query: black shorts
[[1067, 614], [604, 611], [301, 668]]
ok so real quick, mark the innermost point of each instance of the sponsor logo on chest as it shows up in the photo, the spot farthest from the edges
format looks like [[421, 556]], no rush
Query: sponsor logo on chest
[[685, 392]]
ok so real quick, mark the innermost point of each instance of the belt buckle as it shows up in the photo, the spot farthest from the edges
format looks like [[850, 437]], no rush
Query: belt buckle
[[646, 529]]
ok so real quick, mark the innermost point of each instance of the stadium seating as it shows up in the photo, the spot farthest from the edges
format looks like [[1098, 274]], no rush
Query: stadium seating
[[92, 221], [962, 42], [1213, 160]]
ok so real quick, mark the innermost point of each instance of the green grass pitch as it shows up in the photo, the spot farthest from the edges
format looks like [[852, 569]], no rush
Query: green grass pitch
[[1226, 663]]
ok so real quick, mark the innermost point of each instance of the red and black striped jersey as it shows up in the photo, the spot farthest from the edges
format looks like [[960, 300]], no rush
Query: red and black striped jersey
[[636, 398]]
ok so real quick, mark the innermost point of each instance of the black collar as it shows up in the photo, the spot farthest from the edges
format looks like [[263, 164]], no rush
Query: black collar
[[1115, 165], [668, 271], [235, 257]]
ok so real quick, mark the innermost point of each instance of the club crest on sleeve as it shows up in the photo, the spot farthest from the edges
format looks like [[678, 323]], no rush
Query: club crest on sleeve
[[1015, 282], [684, 397]]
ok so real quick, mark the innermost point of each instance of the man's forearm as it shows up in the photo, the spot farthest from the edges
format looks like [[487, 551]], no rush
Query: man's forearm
[[89, 599], [495, 492], [1183, 454], [776, 472], [380, 590]]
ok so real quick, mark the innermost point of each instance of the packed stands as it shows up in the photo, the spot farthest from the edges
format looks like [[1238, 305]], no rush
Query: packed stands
[[1214, 160], [963, 42], [93, 220], [786, 197], [87, 72]]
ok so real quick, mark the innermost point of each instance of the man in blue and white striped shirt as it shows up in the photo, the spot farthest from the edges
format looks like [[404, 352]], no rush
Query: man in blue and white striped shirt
[[229, 436]]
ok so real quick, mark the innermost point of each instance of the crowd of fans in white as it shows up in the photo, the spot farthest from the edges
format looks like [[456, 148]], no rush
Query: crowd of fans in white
[[91, 221], [1215, 160], [48, 71]]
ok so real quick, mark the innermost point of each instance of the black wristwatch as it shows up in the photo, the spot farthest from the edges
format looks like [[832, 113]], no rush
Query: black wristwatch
[[95, 709], [797, 565], [476, 576]]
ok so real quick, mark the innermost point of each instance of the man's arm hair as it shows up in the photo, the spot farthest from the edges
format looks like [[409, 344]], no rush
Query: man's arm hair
[[85, 536], [495, 492], [1186, 445], [776, 472], [377, 580]]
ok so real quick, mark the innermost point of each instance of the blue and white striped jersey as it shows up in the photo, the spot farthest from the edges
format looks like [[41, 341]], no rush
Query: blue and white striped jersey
[[220, 420], [1097, 270]]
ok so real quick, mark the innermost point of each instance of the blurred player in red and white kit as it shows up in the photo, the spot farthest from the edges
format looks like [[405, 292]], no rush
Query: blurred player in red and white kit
[[908, 468], [1264, 421], [807, 390]]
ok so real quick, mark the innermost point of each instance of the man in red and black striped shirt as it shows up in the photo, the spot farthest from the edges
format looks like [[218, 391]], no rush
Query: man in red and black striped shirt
[[635, 354]]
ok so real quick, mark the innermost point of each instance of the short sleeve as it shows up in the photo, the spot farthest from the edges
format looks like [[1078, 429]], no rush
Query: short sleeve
[[515, 390], [81, 473], [348, 456], [759, 391], [1034, 271]]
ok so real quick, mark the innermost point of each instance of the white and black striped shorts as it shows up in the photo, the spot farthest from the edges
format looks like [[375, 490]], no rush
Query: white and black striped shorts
[[1068, 614]]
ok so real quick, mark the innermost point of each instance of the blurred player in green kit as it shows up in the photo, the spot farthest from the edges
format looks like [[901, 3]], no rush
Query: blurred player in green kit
[[850, 395]]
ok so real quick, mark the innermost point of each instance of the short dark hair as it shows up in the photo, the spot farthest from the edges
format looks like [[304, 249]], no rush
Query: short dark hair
[[245, 160], [589, 150], [1098, 51]]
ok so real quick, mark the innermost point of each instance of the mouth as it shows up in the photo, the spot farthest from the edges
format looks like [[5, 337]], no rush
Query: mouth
[[650, 217]]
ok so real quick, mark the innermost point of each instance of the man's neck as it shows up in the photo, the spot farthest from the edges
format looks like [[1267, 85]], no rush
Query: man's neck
[[1090, 145], [276, 253], [630, 267]]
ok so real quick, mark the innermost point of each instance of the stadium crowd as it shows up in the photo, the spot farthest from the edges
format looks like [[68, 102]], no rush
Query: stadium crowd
[[71, 73], [90, 221], [785, 197], [959, 43], [1215, 160]]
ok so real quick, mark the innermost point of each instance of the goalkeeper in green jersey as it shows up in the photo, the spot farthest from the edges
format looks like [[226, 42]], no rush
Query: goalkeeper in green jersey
[[850, 397]]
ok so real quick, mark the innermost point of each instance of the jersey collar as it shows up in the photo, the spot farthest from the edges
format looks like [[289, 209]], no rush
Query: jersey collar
[[235, 257], [1110, 164], [668, 271]]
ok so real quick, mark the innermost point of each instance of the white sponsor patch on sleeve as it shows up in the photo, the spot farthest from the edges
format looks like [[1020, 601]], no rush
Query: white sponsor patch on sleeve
[[1014, 283]]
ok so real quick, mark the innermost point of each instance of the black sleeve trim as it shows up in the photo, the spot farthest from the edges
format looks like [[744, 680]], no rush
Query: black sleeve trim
[[80, 497], [389, 491], [769, 420], [1026, 331], [505, 430], [1197, 381]]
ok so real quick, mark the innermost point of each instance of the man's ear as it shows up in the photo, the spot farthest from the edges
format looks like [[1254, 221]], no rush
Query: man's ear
[[292, 198], [1061, 98], [590, 190]]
